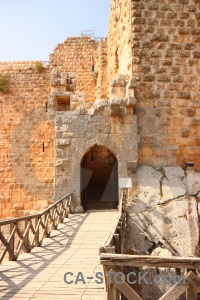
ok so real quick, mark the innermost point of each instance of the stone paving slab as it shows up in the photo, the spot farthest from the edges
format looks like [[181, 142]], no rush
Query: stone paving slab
[[74, 247]]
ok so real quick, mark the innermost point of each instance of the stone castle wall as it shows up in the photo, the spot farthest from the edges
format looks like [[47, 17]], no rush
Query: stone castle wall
[[27, 134], [166, 56], [155, 43], [77, 132], [102, 84], [74, 55], [164, 199], [25, 170], [165, 62], [119, 39]]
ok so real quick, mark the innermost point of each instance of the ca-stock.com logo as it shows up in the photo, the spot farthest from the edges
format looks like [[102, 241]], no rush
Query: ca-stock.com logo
[[120, 278]]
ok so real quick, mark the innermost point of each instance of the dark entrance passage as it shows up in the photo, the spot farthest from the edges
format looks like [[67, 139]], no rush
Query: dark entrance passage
[[99, 179]]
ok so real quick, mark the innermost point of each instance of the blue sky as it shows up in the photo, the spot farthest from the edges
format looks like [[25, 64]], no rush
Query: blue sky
[[31, 29]]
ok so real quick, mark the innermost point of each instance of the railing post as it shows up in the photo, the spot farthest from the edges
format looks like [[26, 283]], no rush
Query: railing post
[[123, 240], [117, 243], [112, 291], [53, 218], [46, 226], [37, 233], [26, 238], [125, 196], [191, 293], [66, 209], [69, 206], [12, 243], [111, 294], [62, 212]]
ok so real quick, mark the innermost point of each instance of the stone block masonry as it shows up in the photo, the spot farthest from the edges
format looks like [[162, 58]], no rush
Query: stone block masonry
[[74, 55], [102, 85], [165, 56], [26, 172], [27, 130], [158, 45], [140, 100], [161, 39], [49, 115], [101, 124], [145, 83], [119, 39]]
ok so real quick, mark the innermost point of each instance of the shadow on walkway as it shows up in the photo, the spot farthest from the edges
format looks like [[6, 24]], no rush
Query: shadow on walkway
[[31, 264]]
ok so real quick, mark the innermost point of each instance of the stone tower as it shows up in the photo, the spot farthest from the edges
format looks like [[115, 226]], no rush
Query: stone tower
[[157, 43]]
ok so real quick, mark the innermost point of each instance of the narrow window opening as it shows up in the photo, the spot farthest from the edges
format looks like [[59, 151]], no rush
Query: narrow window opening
[[63, 103], [42, 147]]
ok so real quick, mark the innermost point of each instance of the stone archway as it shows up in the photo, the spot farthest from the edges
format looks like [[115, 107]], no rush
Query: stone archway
[[99, 179]]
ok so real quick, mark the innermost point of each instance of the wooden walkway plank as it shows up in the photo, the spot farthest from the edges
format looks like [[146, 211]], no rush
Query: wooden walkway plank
[[74, 247]]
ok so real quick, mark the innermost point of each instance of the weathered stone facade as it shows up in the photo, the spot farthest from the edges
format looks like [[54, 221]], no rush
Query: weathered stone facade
[[74, 56], [163, 218], [58, 121], [27, 173], [165, 42], [164, 203], [110, 123], [140, 100], [119, 39], [107, 123]]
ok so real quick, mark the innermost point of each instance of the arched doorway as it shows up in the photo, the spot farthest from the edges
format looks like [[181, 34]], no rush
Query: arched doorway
[[99, 179]]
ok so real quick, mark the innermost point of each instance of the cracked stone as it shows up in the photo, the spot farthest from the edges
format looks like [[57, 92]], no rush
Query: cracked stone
[[193, 182], [155, 219], [173, 185]]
